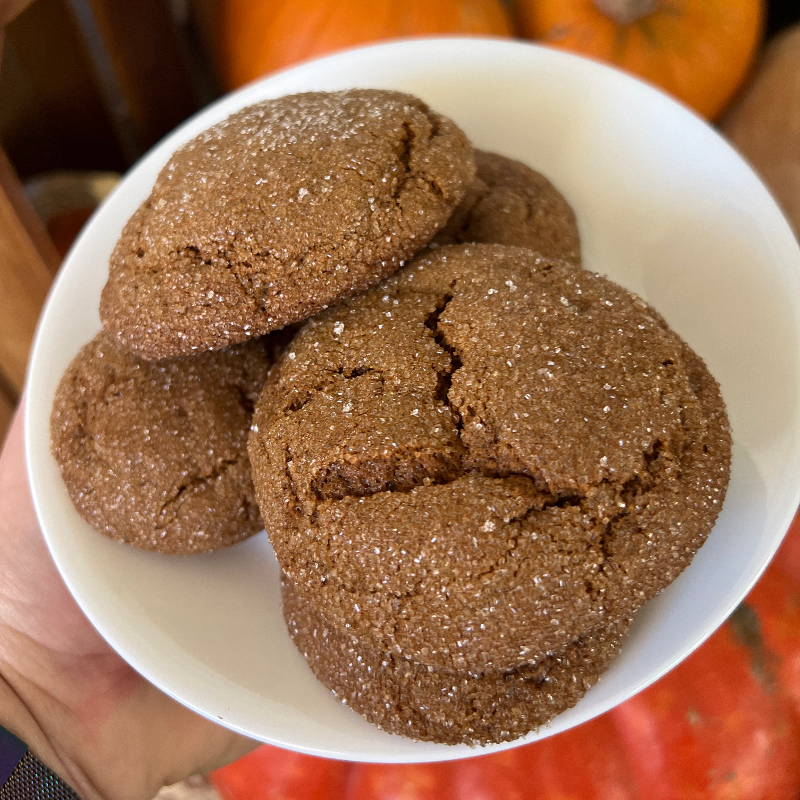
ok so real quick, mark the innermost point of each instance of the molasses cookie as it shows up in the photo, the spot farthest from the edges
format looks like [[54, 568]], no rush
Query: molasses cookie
[[445, 706], [154, 452], [279, 210], [509, 203], [486, 458]]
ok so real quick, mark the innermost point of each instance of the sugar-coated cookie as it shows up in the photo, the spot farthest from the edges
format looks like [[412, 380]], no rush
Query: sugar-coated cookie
[[279, 210], [510, 203], [154, 453]]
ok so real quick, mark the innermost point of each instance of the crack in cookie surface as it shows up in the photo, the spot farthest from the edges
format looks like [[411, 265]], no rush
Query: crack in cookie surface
[[439, 705], [154, 453], [279, 210], [518, 456]]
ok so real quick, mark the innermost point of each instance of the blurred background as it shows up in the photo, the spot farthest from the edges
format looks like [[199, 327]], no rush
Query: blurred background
[[88, 86], [93, 84]]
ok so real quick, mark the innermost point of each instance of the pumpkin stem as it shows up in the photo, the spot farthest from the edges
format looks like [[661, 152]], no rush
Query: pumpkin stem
[[626, 12]]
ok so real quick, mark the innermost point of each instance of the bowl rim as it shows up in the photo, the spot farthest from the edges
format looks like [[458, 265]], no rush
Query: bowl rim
[[218, 110]]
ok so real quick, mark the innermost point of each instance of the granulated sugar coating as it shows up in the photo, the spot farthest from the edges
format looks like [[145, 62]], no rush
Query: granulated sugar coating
[[279, 210], [154, 453], [450, 707], [509, 203], [487, 457]]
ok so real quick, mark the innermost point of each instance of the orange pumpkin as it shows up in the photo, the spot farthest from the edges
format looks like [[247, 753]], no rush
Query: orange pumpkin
[[260, 36], [697, 50]]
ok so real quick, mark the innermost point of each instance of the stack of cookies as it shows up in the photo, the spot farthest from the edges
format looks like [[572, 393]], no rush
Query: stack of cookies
[[259, 222], [476, 466]]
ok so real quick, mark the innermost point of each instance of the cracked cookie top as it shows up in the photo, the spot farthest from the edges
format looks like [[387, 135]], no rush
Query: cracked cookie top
[[279, 210], [155, 453], [509, 203], [486, 457]]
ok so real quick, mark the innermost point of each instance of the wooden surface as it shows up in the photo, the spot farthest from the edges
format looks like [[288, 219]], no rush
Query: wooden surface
[[28, 261]]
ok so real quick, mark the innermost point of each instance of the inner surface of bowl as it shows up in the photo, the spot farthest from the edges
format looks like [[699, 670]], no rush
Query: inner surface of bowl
[[665, 208]]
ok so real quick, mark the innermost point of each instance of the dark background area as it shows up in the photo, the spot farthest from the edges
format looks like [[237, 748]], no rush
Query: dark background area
[[781, 14]]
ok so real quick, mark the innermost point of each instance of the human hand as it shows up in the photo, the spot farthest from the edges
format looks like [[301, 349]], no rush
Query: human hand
[[80, 708]]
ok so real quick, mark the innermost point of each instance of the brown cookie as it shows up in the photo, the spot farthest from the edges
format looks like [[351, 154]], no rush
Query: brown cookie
[[509, 203], [154, 452], [487, 457], [445, 706], [276, 212]]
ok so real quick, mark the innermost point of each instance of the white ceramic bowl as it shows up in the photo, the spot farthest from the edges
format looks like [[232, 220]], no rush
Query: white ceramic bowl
[[665, 207]]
